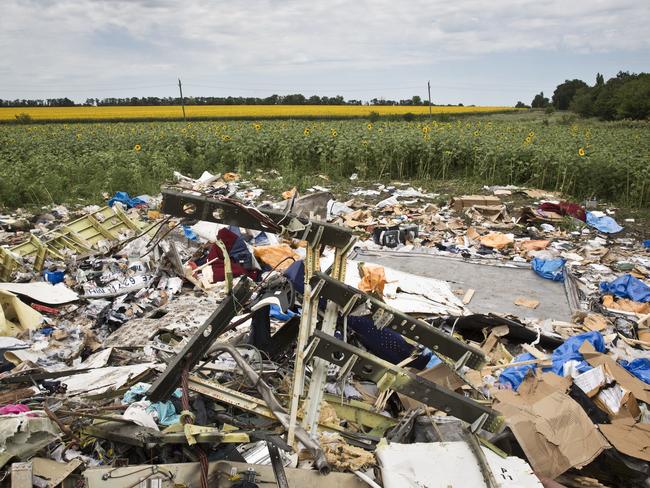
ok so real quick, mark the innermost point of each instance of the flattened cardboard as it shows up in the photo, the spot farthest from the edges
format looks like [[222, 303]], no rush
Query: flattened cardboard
[[554, 431], [633, 440], [533, 389], [639, 389]]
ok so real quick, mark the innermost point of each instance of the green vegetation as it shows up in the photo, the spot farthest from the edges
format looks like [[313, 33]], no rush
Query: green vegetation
[[626, 96], [65, 162]]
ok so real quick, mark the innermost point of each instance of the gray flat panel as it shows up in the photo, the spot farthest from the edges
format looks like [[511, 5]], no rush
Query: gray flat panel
[[496, 286]]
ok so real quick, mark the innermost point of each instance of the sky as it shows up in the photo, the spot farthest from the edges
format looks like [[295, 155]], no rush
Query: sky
[[482, 52]]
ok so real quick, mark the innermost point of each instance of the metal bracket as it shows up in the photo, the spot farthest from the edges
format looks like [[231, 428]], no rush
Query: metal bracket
[[191, 205], [414, 329], [347, 308], [192, 431], [369, 367]]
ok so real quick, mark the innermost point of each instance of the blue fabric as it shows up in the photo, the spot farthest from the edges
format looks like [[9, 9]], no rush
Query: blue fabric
[[277, 313], [515, 375], [569, 351], [189, 233], [261, 239], [627, 286], [124, 198], [166, 412], [604, 224], [138, 391], [135, 393], [551, 269], [646, 243], [239, 252], [385, 343], [296, 274], [639, 368]]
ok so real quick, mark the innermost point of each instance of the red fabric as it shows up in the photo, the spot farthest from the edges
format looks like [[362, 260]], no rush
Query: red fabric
[[565, 208], [218, 267]]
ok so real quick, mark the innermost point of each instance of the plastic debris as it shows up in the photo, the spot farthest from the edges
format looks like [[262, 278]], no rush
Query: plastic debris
[[627, 286], [551, 269]]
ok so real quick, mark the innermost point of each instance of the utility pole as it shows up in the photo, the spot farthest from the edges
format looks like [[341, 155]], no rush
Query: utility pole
[[429, 89], [180, 88]]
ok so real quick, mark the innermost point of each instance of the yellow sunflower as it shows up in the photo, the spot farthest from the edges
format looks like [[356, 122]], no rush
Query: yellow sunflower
[[581, 151], [369, 126], [425, 130], [257, 127], [333, 132], [137, 148], [225, 138], [307, 131]]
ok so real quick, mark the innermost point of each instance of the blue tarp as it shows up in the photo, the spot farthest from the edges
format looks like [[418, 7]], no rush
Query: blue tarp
[[639, 368], [515, 375], [124, 198], [646, 243], [627, 286], [551, 269], [569, 351], [603, 224]]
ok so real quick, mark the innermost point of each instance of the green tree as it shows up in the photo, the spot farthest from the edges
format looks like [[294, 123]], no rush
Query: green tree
[[565, 92], [540, 101], [583, 102], [632, 99]]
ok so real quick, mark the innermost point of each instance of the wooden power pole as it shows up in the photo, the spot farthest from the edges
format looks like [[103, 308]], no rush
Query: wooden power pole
[[180, 89], [429, 89]]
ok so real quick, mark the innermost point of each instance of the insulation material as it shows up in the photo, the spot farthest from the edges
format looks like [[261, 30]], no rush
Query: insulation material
[[16, 317], [342, 455], [23, 435]]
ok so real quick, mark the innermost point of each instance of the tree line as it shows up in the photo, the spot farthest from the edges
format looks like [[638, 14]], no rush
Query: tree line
[[294, 99], [624, 96]]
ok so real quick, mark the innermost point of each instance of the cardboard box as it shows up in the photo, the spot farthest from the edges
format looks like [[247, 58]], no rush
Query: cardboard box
[[459, 203]]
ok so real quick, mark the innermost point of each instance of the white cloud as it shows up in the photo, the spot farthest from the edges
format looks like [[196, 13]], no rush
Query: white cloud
[[117, 43]]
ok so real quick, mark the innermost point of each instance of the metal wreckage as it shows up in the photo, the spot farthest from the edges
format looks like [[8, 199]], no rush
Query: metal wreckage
[[291, 376]]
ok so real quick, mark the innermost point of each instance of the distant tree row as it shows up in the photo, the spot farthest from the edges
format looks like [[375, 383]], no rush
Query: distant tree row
[[625, 96], [295, 99]]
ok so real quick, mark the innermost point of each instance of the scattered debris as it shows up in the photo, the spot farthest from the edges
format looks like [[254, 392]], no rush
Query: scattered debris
[[202, 337]]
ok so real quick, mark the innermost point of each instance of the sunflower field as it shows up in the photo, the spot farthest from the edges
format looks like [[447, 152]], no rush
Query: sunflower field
[[200, 112], [59, 163]]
